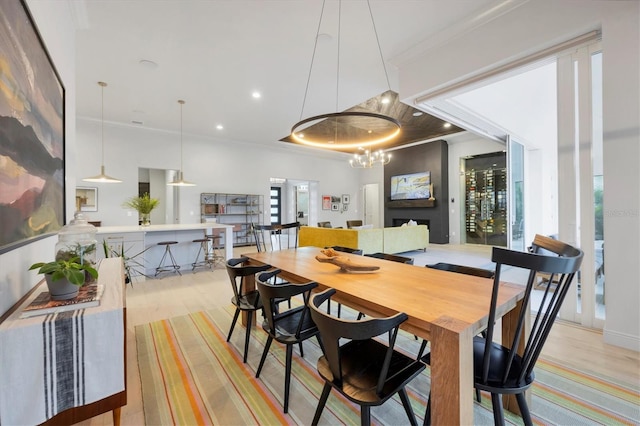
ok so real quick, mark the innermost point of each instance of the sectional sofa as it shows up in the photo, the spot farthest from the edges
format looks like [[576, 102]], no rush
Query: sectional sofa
[[377, 240]]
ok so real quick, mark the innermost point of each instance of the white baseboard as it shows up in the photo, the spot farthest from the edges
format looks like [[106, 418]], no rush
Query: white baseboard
[[623, 340]]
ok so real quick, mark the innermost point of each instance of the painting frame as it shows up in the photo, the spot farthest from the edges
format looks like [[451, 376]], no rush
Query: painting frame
[[86, 199], [32, 177], [326, 202], [335, 207], [346, 199]]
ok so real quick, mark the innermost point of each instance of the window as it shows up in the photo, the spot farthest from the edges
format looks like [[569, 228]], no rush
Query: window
[[275, 205]]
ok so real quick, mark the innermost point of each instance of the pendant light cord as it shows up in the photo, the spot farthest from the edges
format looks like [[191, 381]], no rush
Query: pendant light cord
[[315, 48], [102, 84], [375, 31], [313, 57], [338, 59], [181, 102], [181, 105]]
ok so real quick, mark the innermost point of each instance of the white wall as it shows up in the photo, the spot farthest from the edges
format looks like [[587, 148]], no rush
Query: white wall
[[214, 165], [541, 24], [57, 30]]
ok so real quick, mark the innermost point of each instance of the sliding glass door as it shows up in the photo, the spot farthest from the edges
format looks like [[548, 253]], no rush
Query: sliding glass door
[[581, 179], [515, 192]]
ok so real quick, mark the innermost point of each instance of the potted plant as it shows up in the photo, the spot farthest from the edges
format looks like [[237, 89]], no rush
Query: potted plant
[[64, 276], [143, 205], [84, 255]]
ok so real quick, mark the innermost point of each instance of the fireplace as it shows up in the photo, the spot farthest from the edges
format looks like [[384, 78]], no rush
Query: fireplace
[[399, 222]]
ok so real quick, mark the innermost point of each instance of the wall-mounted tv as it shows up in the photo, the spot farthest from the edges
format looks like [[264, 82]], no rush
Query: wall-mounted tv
[[414, 186]]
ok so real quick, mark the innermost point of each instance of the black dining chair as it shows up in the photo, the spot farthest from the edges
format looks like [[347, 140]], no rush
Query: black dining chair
[[264, 236], [392, 257], [360, 367], [461, 269], [243, 301], [347, 250], [498, 368], [290, 327]]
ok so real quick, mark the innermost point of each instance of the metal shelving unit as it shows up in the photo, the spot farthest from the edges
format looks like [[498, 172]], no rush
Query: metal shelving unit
[[239, 210]]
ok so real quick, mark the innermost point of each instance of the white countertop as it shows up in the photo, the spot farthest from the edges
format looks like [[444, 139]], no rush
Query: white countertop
[[159, 228]]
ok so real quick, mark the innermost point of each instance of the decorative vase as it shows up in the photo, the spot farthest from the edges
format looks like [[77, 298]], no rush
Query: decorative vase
[[146, 219], [61, 289]]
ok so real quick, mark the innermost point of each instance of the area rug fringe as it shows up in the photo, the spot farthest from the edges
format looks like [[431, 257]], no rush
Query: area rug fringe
[[191, 376]]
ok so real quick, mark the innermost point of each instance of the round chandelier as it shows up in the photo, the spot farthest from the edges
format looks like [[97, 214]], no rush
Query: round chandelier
[[369, 159]]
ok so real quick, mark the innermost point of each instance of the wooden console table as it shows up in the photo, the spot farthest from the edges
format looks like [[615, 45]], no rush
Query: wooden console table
[[65, 367]]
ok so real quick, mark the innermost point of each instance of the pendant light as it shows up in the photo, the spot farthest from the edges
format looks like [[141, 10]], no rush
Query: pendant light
[[102, 177], [346, 129], [179, 180]]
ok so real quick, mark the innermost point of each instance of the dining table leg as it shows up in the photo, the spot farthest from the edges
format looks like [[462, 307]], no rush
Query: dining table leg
[[249, 285], [451, 372], [509, 323]]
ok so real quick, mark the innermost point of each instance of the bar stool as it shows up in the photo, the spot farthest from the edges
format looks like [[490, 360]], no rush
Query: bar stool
[[204, 246], [173, 267], [215, 255]]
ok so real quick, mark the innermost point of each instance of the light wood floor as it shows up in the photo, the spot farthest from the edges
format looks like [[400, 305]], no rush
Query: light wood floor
[[173, 295]]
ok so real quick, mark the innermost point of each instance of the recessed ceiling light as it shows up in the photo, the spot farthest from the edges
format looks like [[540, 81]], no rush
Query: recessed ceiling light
[[219, 127], [446, 125], [256, 95], [148, 64], [417, 113]]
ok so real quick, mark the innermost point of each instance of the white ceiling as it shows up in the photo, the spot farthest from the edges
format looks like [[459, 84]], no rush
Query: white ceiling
[[214, 54]]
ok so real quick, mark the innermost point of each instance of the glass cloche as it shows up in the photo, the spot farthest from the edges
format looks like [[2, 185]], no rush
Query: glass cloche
[[78, 239]]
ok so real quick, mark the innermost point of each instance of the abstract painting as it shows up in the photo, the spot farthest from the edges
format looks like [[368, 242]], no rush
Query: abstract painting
[[31, 133]]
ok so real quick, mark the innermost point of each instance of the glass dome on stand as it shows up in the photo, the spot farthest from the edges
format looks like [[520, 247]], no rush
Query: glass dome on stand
[[78, 239]]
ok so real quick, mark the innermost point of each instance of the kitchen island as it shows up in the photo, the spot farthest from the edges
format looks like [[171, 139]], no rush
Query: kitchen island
[[140, 243]]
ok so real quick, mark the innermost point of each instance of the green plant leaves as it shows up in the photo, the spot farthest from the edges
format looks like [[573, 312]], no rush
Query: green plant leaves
[[70, 269]]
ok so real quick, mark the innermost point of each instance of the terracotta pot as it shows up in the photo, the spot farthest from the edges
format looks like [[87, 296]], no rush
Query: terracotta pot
[[61, 289]]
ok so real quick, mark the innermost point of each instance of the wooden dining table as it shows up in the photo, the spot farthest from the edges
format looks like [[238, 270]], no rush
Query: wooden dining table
[[446, 308]]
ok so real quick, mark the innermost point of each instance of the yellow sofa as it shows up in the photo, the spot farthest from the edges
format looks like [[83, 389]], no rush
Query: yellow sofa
[[378, 240], [399, 239]]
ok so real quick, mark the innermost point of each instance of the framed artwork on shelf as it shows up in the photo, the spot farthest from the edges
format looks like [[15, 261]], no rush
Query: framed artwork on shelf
[[326, 202], [335, 207], [86, 199], [346, 199], [32, 119]]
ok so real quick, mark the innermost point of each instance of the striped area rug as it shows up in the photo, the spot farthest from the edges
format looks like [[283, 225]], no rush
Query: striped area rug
[[191, 376]]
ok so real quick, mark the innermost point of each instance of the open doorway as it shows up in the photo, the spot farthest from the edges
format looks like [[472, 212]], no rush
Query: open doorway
[[553, 107], [154, 182], [291, 200]]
